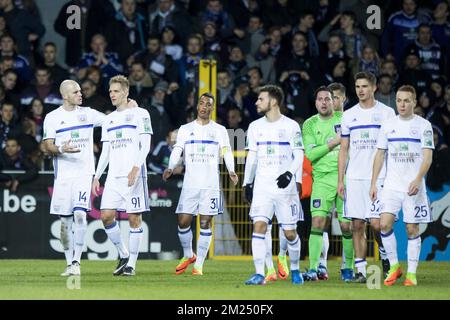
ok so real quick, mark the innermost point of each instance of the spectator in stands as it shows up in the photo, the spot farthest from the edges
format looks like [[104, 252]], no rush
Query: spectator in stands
[[214, 11], [158, 112], [159, 64], [275, 37], [237, 65], [299, 97], [440, 28], [108, 62], [188, 64], [401, 30], [264, 61], [351, 36], [170, 43], [335, 52], [298, 60], [36, 115], [9, 82], [20, 63], [234, 119], [170, 13], [369, 61], [27, 138], [339, 73], [413, 74], [96, 16], [431, 57], [8, 124], [212, 46], [254, 35], [94, 73], [44, 88], [13, 158], [3, 27], [389, 67], [26, 27], [159, 159], [241, 10], [385, 92], [127, 32], [58, 73], [281, 14], [141, 84], [306, 25], [92, 99]]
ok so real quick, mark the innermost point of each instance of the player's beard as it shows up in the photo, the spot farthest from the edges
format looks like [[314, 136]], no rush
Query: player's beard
[[262, 112]]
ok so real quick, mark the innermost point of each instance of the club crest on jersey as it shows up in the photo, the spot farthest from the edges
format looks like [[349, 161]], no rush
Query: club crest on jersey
[[414, 132], [211, 135], [129, 117], [75, 134], [376, 117], [337, 128], [82, 118], [316, 203]]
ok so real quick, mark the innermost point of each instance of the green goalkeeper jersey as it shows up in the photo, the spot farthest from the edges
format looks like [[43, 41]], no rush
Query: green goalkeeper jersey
[[316, 135]]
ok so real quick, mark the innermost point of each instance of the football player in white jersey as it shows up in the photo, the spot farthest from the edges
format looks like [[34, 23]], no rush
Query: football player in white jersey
[[202, 142], [359, 134], [408, 142], [126, 137], [275, 154], [68, 136]]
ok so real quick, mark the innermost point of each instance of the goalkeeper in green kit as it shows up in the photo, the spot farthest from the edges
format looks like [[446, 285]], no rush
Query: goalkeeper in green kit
[[321, 139]]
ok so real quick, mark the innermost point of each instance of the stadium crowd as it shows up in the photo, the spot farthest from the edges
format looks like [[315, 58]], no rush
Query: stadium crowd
[[158, 44]]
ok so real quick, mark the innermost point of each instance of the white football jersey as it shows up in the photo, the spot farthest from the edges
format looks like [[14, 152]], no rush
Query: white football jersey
[[273, 143], [202, 145], [404, 141], [122, 129], [76, 126], [362, 126]]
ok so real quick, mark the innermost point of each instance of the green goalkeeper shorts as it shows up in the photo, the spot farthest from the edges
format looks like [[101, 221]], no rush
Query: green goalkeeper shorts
[[324, 197]]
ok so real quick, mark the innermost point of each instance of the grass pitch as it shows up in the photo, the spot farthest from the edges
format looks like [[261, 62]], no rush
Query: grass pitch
[[222, 280]]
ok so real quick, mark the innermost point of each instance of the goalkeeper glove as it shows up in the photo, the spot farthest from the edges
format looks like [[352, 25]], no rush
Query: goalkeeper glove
[[284, 180], [248, 191]]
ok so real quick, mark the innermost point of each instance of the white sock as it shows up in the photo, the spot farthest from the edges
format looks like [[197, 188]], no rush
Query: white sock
[[134, 243], [325, 247], [390, 246], [259, 252], [202, 247], [185, 236], [343, 259], [294, 252], [113, 232], [268, 240], [414, 245], [283, 243], [67, 238], [382, 252], [360, 264], [80, 231]]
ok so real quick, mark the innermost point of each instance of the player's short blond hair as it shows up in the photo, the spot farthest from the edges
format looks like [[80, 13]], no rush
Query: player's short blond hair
[[122, 80], [410, 89]]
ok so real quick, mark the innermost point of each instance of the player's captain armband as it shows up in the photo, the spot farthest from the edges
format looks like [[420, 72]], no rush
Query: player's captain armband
[[45, 134], [298, 140], [147, 125]]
